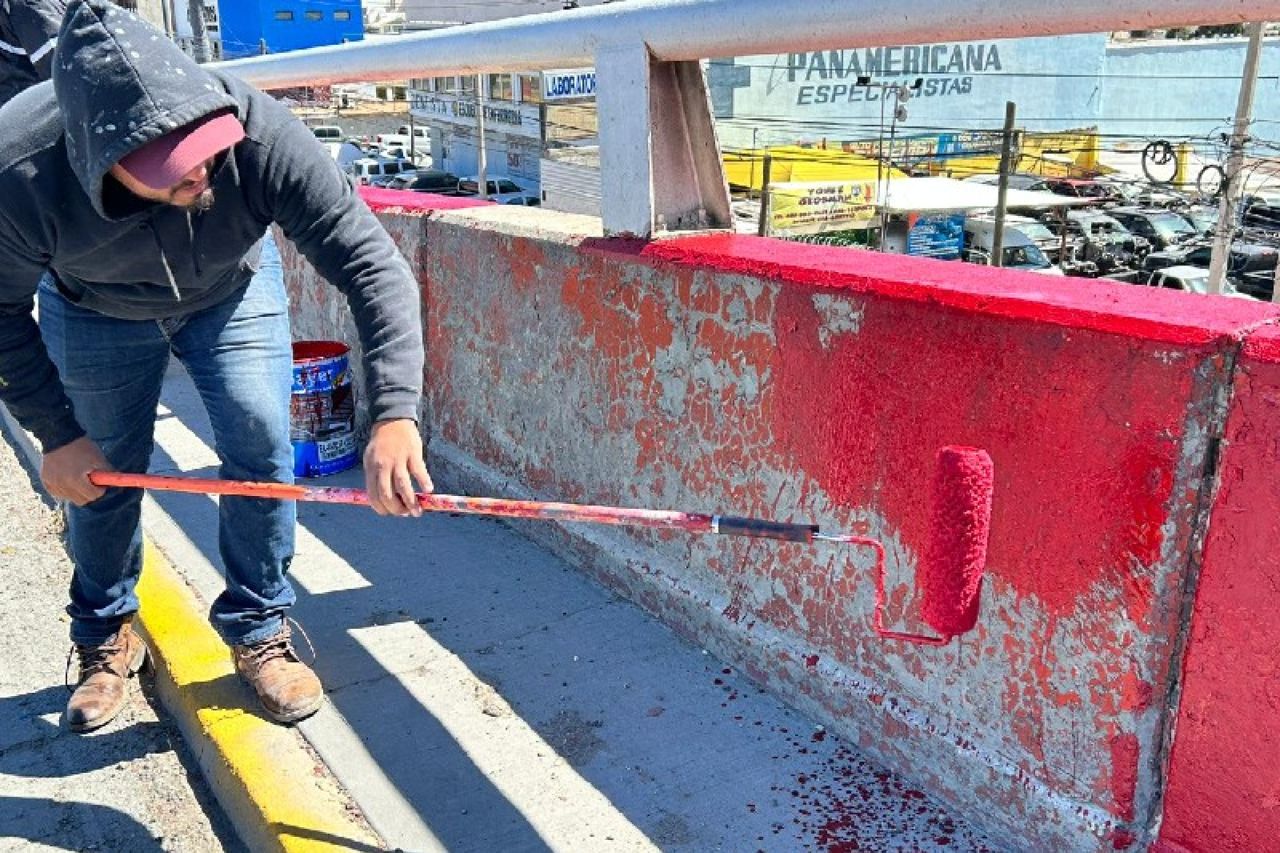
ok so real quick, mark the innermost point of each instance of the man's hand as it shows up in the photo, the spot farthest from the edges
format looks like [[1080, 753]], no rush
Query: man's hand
[[65, 471], [392, 461]]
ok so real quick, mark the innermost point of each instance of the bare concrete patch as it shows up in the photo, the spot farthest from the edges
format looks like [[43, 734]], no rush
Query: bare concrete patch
[[573, 737]]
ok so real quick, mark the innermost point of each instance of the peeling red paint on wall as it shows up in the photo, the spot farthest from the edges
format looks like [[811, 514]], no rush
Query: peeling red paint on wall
[[1223, 783], [1000, 385], [646, 374]]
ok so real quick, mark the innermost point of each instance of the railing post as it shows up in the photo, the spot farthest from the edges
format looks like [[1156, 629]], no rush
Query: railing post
[[659, 158]]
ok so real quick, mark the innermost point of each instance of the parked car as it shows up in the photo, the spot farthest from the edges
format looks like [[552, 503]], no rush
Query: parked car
[[426, 181], [1018, 250], [328, 133], [1261, 210], [501, 189], [1084, 188], [1191, 280], [1017, 181], [365, 168], [391, 141], [1203, 217], [1251, 267], [1183, 277], [526, 200], [421, 135], [1046, 241], [1161, 228], [1134, 192]]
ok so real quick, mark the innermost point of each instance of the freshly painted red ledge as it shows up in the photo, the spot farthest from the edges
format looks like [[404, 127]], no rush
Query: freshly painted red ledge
[[1149, 314], [379, 198]]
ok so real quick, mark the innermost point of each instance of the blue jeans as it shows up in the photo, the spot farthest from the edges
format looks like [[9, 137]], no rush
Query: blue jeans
[[239, 356]]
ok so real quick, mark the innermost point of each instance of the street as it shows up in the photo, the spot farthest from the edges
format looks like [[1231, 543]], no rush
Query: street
[[129, 787]]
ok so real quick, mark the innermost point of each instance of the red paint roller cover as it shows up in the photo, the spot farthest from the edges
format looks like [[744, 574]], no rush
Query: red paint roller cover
[[951, 577]]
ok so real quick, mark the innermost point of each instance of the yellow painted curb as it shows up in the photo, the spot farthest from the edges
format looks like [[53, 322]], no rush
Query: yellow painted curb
[[278, 796], [276, 793]]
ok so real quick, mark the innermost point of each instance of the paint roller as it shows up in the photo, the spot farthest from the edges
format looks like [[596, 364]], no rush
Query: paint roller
[[950, 575]]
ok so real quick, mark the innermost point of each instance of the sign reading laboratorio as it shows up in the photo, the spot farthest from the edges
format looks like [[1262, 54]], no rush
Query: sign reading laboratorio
[[806, 208], [504, 116], [565, 84]]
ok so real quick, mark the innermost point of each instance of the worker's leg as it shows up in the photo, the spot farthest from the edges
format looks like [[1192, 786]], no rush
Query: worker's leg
[[112, 370], [239, 355]]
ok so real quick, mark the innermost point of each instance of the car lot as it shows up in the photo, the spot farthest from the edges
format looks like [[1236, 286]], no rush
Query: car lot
[[1128, 230]]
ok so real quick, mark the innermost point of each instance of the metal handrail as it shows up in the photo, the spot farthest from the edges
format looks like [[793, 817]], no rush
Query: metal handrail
[[676, 30], [660, 161]]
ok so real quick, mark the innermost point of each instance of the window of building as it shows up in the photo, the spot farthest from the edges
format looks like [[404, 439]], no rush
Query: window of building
[[500, 87], [531, 88], [313, 16], [468, 84], [446, 84], [284, 15], [342, 15]]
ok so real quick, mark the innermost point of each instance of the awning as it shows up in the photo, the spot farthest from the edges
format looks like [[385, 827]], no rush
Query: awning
[[908, 195], [792, 164]]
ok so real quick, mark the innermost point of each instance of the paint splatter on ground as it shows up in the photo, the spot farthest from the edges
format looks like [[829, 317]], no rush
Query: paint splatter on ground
[[831, 798]]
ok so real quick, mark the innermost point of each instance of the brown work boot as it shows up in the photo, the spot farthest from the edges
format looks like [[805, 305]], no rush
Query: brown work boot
[[101, 689], [288, 689]]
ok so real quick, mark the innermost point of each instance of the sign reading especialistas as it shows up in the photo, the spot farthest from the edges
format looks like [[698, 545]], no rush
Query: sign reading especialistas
[[562, 84]]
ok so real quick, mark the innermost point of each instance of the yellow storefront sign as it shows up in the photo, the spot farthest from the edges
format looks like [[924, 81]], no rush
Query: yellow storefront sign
[[813, 208]]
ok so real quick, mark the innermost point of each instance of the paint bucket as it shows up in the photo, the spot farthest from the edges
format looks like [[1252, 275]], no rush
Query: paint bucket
[[322, 409]]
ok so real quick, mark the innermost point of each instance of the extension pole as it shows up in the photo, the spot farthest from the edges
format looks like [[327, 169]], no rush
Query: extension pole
[[1234, 183], [1002, 195]]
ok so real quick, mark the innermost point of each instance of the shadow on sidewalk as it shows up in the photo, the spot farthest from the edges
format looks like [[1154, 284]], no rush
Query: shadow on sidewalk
[[41, 821], [23, 718]]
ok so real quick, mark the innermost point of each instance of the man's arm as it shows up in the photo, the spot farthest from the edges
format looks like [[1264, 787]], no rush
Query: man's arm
[[318, 209], [29, 383], [36, 23]]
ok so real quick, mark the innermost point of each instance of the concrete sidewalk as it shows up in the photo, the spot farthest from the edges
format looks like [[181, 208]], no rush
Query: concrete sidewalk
[[486, 696], [132, 787]]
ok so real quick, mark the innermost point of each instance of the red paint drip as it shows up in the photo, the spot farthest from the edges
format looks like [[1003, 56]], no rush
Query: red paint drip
[[1124, 773], [1122, 839]]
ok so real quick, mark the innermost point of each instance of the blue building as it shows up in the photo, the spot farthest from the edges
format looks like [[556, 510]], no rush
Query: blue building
[[250, 27]]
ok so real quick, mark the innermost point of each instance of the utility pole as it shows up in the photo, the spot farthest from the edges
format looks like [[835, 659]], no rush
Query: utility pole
[[1234, 183], [762, 228], [482, 165], [1002, 194], [199, 36]]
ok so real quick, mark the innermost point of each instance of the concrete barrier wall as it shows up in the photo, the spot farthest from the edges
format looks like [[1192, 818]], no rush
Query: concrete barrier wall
[[801, 383], [1224, 777]]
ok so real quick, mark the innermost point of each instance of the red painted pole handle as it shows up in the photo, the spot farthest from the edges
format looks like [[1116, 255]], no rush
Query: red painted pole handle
[[694, 522], [199, 486]]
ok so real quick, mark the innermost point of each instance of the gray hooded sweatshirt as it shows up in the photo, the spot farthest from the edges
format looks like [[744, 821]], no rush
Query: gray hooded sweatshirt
[[28, 34], [117, 85]]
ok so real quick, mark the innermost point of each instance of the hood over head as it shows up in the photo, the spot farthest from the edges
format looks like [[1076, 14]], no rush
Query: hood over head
[[121, 84]]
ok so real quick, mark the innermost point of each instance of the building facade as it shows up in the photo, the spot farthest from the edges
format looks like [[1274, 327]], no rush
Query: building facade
[[1140, 89], [428, 14], [250, 27], [522, 114]]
